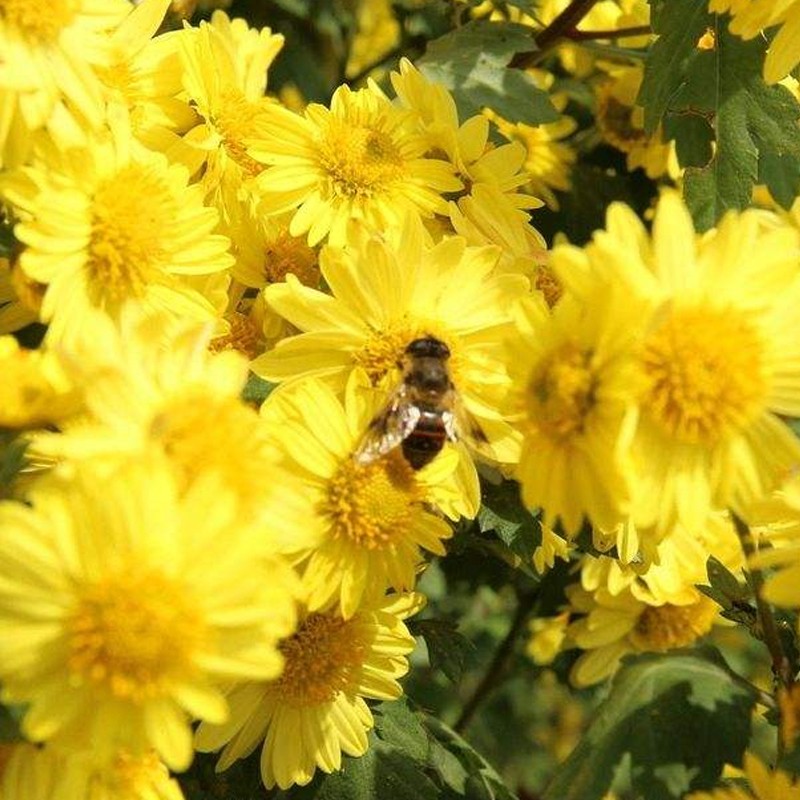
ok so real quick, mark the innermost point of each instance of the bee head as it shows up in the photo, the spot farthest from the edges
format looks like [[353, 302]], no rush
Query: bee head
[[428, 347]]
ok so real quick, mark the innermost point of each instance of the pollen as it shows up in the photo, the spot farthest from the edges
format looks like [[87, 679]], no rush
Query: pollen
[[244, 336], [666, 627], [370, 505], [562, 392], [133, 632], [202, 433], [130, 215], [360, 160], [323, 658], [236, 120], [286, 254], [704, 375], [40, 22]]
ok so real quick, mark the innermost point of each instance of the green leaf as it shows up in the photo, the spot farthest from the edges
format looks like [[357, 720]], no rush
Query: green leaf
[[679, 717], [471, 62], [398, 725], [256, 390], [694, 138], [7, 240], [502, 511], [12, 459], [10, 717], [448, 650], [755, 126]]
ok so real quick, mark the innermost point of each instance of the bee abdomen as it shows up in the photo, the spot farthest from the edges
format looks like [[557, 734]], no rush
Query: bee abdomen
[[426, 441]]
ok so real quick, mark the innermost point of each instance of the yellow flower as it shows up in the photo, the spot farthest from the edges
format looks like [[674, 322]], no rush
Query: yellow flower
[[114, 223], [50, 774], [385, 296], [363, 159], [15, 313], [34, 390], [621, 123], [572, 392], [361, 528], [46, 77], [377, 34], [547, 636], [718, 360], [552, 547], [141, 602], [155, 384], [748, 20], [316, 710], [612, 626], [765, 784], [225, 65]]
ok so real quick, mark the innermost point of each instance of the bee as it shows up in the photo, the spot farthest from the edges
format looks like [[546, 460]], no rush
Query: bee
[[423, 412]]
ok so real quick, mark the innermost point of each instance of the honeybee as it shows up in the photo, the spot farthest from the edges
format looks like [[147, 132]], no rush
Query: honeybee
[[423, 412]]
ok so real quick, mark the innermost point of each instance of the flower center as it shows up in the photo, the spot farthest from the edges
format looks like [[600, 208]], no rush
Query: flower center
[[286, 254], [548, 284], [132, 632], [201, 433], [562, 392], [360, 160], [41, 22], [323, 658], [236, 120], [704, 376], [666, 627], [129, 777], [615, 121], [370, 504], [243, 336], [131, 215]]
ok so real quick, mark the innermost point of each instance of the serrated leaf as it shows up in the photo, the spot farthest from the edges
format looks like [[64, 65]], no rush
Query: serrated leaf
[[660, 708], [448, 650], [722, 579], [399, 726], [752, 122], [502, 511], [256, 390], [694, 138], [471, 62]]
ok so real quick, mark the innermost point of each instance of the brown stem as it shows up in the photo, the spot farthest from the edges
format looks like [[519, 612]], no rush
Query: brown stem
[[619, 33], [769, 629], [491, 678], [558, 29]]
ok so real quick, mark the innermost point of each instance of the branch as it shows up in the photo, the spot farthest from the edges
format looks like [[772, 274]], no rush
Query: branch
[[497, 667], [618, 33]]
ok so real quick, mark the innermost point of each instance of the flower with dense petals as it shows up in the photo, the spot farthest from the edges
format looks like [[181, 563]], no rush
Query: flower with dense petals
[[361, 528], [110, 224], [316, 711], [361, 159], [125, 605]]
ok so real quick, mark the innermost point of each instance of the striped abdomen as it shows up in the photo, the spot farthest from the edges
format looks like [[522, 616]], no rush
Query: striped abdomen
[[426, 441]]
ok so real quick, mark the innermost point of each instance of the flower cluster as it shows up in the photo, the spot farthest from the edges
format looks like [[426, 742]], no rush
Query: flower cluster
[[216, 541]]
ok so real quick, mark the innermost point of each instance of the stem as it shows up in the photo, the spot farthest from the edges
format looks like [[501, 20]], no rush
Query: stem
[[769, 630], [560, 28], [491, 678], [619, 33]]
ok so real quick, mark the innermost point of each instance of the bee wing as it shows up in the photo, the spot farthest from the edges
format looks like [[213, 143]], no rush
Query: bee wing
[[388, 428], [460, 424]]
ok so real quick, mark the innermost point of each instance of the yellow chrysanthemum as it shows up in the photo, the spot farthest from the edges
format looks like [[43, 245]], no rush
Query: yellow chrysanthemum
[[363, 159], [316, 710], [51, 774], [718, 359], [155, 384], [125, 604], [110, 224], [385, 296], [751, 16], [612, 626], [361, 528], [46, 76], [572, 391], [225, 65], [19, 300], [476, 160], [377, 34], [547, 636], [34, 390], [765, 784], [552, 547], [621, 123]]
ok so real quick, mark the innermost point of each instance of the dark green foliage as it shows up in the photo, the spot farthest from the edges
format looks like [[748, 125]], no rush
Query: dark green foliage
[[673, 721], [448, 650], [471, 62], [754, 125], [256, 390]]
